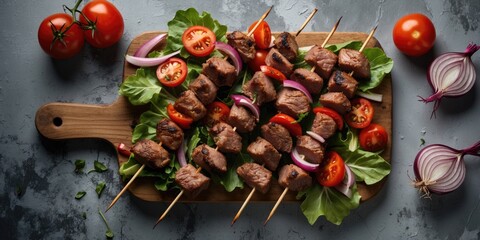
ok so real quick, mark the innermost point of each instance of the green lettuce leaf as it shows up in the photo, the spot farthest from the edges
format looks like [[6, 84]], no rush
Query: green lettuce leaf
[[230, 180], [147, 127], [380, 66], [140, 87], [356, 45]]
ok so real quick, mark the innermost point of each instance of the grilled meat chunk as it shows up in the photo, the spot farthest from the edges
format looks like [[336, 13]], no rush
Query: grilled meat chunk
[[276, 60], [244, 45], [260, 88], [219, 71], [169, 134], [324, 125], [190, 181], [322, 59], [255, 176], [204, 89], [263, 152], [342, 82], [353, 60], [310, 80], [278, 136], [292, 102], [209, 158], [295, 178], [189, 105], [287, 45], [336, 101], [311, 149], [226, 139], [151, 154], [242, 119]]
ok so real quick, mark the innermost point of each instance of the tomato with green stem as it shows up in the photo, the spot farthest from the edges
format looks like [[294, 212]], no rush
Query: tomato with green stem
[[103, 23], [331, 171]]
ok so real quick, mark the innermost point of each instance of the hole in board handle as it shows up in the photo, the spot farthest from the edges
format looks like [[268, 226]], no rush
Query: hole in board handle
[[57, 121]]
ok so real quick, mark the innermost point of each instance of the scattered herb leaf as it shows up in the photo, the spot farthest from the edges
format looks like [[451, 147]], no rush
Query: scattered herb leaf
[[79, 165], [98, 167], [99, 188], [422, 142], [80, 195], [84, 215], [108, 233]]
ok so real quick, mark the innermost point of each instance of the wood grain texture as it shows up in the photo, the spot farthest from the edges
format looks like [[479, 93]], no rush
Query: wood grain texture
[[113, 123]]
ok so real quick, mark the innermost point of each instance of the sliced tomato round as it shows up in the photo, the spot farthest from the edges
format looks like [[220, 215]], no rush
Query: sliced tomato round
[[180, 119], [216, 112], [332, 113], [199, 41], [331, 171], [262, 34], [288, 122], [373, 138], [273, 73], [258, 60], [172, 72], [361, 114]]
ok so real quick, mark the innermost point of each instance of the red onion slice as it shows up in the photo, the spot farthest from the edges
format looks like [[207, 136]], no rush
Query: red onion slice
[[148, 46], [232, 53], [316, 136], [181, 155], [299, 87], [246, 102], [302, 163], [345, 186], [149, 62]]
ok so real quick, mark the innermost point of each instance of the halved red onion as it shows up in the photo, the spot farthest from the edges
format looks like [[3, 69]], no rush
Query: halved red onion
[[181, 155], [345, 186], [148, 46], [149, 62], [302, 163], [299, 87], [232, 53], [246, 102], [316, 136]]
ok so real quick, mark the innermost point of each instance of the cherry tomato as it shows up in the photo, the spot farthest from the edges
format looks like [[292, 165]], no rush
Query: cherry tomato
[[108, 23], [273, 73], [123, 149], [262, 34], [361, 114], [216, 112], [332, 113], [180, 119], [199, 41], [172, 72], [332, 170], [259, 60], [373, 138], [288, 122], [55, 41], [414, 34]]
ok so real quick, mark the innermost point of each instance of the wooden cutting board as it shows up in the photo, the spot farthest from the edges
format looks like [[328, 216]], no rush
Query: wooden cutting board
[[113, 123]]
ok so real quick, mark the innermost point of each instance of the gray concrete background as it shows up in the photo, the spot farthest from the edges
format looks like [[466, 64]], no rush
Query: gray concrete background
[[38, 185]]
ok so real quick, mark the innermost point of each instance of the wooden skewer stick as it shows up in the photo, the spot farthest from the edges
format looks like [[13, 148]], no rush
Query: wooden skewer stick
[[366, 42], [276, 206], [306, 21], [330, 34], [260, 21]]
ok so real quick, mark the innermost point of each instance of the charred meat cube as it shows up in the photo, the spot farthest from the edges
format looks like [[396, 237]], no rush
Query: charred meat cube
[[324, 125], [310, 148], [204, 89], [242, 119], [260, 89], [276, 60], [353, 60], [189, 105], [209, 158], [169, 134], [287, 45], [310, 80], [219, 71], [322, 59], [342, 82], [292, 102], [295, 178], [278, 136], [263, 152], [244, 45], [226, 139], [336, 101], [190, 181], [255, 176], [151, 154]]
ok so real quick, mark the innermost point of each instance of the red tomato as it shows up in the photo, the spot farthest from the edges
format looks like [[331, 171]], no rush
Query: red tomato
[[107, 21], [180, 119], [259, 60], [332, 170], [262, 34], [414, 34], [55, 41], [332, 113], [273, 73], [199, 41], [373, 138], [123, 149], [172, 72], [216, 112], [361, 114], [288, 122]]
